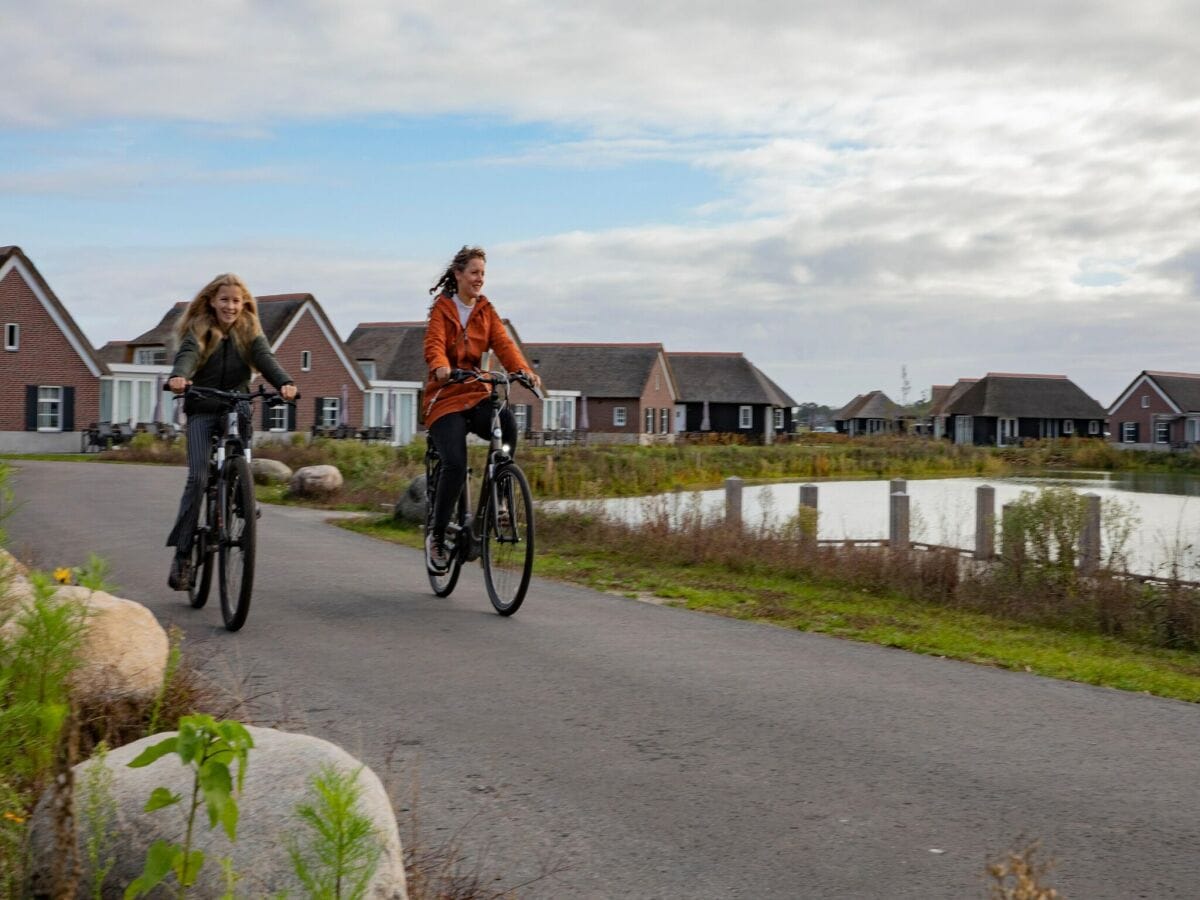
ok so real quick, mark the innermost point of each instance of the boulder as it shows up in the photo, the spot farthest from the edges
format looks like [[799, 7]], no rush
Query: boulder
[[279, 771], [411, 505], [269, 471], [315, 481]]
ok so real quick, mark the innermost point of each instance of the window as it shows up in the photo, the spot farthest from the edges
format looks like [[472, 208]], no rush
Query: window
[[1162, 432], [150, 356], [664, 421], [1129, 433], [375, 408], [1093, 426], [745, 417], [12, 336], [1145, 401], [649, 420], [330, 409], [779, 420], [619, 413], [277, 418], [49, 409], [558, 414], [1068, 426], [305, 360], [521, 414], [368, 367]]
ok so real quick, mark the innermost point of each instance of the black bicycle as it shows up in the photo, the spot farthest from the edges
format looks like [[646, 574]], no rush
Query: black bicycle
[[228, 513], [501, 530]]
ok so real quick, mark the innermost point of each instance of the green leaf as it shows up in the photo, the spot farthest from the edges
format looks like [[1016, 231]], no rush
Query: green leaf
[[188, 871], [229, 819], [160, 859], [159, 798], [154, 752], [217, 787]]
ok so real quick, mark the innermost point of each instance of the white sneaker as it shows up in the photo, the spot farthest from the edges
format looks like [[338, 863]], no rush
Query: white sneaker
[[436, 556]]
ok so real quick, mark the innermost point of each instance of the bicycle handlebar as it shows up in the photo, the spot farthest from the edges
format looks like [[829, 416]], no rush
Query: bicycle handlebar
[[198, 390], [458, 376]]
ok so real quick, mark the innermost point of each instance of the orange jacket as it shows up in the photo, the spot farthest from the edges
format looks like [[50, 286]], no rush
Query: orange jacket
[[447, 343]]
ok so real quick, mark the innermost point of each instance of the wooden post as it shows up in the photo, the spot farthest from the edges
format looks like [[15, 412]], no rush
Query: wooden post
[[985, 522], [808, 495], [808, 513], [733, 501], [898, 523], [898, 486], [1089, 538]]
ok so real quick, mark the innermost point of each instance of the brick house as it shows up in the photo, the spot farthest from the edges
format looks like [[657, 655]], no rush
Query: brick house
[[726, 393], [49, 371], [871, 413], [611, 393], [1003, 408], [1159, 410]]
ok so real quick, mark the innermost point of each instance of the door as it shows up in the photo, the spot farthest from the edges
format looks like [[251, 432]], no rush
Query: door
[[680, 418]]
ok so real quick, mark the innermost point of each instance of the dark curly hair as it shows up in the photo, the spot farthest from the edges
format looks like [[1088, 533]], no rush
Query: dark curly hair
[[446, 284]]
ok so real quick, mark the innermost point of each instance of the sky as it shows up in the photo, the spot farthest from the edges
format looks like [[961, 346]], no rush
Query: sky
[[856, 195]]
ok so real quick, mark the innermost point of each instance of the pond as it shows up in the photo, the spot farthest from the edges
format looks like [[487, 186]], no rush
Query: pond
[[942, 510]]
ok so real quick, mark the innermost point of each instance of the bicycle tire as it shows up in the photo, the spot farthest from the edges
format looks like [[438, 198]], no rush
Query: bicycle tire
[[508, 546], [443, 583], [202, 559], [238, 542]]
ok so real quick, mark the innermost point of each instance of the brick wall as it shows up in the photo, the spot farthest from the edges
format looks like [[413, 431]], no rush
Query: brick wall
[[1133, 411], [326, 376], [657, 396], [45, 357]]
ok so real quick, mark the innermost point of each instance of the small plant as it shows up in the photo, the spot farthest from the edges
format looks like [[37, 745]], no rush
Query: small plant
[[1019, 876], [97, 810], [208, 747], [343, 850]]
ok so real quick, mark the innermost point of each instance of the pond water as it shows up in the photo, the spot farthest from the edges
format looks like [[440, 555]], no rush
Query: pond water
[[942, 510]]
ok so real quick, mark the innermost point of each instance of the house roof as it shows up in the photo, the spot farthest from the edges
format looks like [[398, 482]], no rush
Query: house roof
[[1026, 396], [1183, 388], [114, 351], [42, 290], [396, 348], [724, 378], [872, 405], [946, 394], [597, 370]]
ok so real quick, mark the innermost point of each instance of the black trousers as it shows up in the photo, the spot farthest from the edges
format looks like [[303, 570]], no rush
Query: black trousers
[[449, 436], [200, 429]]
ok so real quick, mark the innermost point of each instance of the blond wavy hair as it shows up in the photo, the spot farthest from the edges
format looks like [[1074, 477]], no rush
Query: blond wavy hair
[[199, 320]]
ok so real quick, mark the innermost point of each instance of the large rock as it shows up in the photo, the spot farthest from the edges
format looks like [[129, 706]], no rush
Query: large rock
[[411, 505], [123, 654], [278, 777], [315, 481], [269, 471]]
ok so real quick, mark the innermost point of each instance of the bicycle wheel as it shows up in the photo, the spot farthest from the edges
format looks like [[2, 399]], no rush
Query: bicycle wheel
[[443, 583], [202, 559], [237, 542], [508, 540]]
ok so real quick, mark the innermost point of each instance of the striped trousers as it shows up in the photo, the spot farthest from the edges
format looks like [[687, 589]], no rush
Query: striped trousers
[[200, 429]]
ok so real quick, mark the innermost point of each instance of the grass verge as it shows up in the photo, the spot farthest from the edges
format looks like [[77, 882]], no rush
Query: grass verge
[[878, 617]]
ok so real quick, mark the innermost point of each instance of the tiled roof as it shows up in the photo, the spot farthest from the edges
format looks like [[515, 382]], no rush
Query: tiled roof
[[396, 348], [275, 311], [1026, 396], [1182, 387], [114, 351], [597, 370], [724, 378]]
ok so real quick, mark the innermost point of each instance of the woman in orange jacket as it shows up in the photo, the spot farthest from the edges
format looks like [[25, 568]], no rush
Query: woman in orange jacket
[[462, 326]]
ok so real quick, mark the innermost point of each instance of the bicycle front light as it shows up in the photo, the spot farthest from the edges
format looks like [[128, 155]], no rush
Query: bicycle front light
[[504, 448]]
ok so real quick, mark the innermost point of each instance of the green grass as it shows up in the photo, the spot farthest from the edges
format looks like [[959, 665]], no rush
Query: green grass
[[871, 617]]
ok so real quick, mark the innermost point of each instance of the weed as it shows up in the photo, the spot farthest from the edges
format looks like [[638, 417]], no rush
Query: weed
[[1019, 875], [343, 850]]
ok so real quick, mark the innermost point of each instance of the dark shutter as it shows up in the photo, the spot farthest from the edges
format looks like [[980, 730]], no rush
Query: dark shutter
[[317, 401], [291, 417], [31, 392], [1137, 432], [68, 409], [266, 416]]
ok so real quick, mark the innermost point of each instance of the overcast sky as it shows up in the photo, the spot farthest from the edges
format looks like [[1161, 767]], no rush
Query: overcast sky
[[836, 190]]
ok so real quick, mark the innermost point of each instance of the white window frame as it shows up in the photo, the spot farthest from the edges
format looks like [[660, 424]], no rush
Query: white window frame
[[664, 421], [1068, 426], [305, 360], [368, 368], [277, 420], [553, 409], [620, 416], [150, 356], [1128, 432], [12, 336], [745, 417], [331, 411], [521, 414], [778, 420], [1145, 401], [1162, 432], [374, 408], [49, 407], [1093, 426], [648, 420]]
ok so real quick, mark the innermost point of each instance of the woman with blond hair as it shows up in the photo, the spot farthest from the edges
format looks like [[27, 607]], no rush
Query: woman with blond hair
[[462, 326], [221, 344]]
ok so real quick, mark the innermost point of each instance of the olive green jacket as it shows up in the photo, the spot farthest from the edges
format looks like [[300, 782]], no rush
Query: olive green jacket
[[225, 369]]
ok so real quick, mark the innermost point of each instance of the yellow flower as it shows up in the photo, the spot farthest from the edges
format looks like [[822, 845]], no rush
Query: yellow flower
[[13, 817], [62, 575]]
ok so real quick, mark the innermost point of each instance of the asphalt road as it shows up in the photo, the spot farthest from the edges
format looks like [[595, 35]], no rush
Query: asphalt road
[[649, 752]]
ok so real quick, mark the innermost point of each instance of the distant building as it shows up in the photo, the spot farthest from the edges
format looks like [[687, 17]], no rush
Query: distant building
[[1004, 408], [1159, 410]]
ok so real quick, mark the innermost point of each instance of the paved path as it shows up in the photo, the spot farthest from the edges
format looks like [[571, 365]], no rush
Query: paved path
[[655, 752]]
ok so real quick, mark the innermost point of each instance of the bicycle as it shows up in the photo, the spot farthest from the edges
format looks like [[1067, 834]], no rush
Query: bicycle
[[501, 531], [228, 512]]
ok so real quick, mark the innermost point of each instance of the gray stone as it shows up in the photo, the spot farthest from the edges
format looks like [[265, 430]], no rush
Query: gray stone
[[269, 471], [278, 775], [411, 505], [315, 481]]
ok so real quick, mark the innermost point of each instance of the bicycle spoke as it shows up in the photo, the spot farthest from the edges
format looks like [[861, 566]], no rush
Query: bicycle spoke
[[238, 542], [508, 540]]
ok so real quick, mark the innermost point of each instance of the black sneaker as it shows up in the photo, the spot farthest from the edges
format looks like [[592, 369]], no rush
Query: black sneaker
[[437, 557], [181, 573]]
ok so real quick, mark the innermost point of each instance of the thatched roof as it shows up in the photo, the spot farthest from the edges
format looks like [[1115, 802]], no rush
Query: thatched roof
[[396, 348], [873, 405], [945, 394], [597, 370], [724, 378], [1026, 396]]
